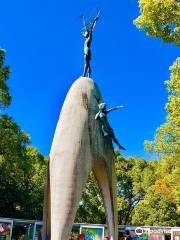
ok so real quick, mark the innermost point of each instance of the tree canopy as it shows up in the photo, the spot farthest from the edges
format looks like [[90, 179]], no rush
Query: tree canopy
[[160, 18], [134, 176], [91, 209], [22, 173], [5, 97], [167, 138], [161, 205]]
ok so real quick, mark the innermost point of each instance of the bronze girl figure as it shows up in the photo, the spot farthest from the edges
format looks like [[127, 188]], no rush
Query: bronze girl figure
[[87, 51], [106, 128]]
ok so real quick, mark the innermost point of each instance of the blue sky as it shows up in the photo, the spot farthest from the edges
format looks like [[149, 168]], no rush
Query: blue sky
[[45, 52]]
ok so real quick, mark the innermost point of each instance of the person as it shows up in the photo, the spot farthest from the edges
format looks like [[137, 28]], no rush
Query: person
[[106, 238], [3, 229], [81, 236], [128, 235], [106, 128], [87, 51], [97, 237]]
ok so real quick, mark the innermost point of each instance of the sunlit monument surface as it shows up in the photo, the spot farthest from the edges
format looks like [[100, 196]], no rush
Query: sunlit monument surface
[[82, 143]]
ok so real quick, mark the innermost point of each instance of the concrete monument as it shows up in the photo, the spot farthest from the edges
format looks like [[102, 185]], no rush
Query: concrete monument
[[78, 147]]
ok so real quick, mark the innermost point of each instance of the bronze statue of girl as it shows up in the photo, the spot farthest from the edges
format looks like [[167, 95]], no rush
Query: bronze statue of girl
[[87, 51], [106, 128]]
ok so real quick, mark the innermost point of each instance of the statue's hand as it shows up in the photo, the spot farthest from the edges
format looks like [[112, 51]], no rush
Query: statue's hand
[[120, 106]]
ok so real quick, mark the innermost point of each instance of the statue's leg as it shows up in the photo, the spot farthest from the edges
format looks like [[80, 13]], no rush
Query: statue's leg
[[115, 140], [89, 69], [106, 178], [85, 70], [119, 145], [105, 133], [85, 65]]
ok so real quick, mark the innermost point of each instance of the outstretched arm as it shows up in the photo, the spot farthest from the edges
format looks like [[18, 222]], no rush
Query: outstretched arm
[[84, 22], [112, 109], [94, 24]]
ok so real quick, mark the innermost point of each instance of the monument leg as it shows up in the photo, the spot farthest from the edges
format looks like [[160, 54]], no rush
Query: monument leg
[[105, 176], [46, 233], [66, 189]]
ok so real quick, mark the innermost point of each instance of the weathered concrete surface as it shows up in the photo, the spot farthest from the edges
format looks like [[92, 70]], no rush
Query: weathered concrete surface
[[78, 147]]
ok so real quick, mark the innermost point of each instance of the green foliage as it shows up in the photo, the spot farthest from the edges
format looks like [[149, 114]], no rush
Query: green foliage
[[161, 205], [158, 207], [22, 173], [147, 194], [160, 18], [167, 138], [22, 168], [34, 185], [91, 209], [5, 98], [12, 153], [134, 176]]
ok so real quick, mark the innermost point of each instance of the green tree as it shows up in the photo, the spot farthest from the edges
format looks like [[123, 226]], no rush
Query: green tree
[[161, 205], [5, 97], [13, 143], [167, 138], [22, 168], [91, 209], [22, 173], [160, 18], [158, 207], [134, 177], [34, 184]]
